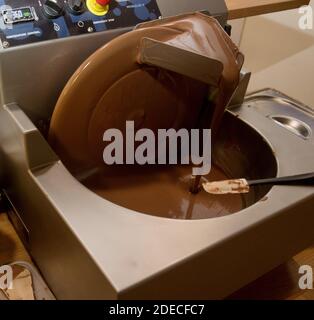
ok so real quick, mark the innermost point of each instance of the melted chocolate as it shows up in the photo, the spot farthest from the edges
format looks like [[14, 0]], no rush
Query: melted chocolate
[[162, 192]]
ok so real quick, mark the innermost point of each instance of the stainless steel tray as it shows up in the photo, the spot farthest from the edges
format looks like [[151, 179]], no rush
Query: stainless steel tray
[[286, 112]]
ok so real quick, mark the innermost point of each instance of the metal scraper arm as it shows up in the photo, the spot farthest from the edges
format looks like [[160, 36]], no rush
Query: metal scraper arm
[[179, 60]]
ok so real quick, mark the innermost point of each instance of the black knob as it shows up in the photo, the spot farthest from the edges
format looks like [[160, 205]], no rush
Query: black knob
[[53, 8], [76, 6]]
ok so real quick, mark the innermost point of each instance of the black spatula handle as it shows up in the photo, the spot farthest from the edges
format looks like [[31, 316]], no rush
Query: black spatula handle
[[302, 179]]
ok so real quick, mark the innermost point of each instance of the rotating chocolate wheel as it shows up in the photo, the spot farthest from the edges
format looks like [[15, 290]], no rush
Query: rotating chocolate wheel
[[111, 88]]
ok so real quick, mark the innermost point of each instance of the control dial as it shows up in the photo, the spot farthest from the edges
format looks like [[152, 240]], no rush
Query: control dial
[[53, 8], [76, 6]]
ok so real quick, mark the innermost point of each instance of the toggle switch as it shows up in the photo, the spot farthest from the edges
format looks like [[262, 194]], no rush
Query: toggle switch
[[76, 7], [98, 7]]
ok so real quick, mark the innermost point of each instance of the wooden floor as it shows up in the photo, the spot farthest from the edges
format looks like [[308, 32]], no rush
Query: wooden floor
[[281, 283], [11, 247], [246, 8]]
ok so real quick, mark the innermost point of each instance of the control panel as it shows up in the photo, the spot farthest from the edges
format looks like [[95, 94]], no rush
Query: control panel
[[29, 21]]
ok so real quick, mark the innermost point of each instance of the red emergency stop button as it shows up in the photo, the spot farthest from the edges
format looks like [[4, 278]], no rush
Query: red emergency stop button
[[98, 7], [103, 2]]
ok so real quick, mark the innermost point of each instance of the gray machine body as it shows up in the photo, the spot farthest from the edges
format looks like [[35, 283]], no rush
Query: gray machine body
[[89, 248]]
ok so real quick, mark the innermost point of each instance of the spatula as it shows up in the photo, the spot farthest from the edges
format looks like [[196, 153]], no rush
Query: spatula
[[238, 186]]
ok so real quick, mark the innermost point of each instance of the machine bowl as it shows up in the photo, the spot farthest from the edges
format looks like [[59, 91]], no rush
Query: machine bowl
[[239, 151]]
